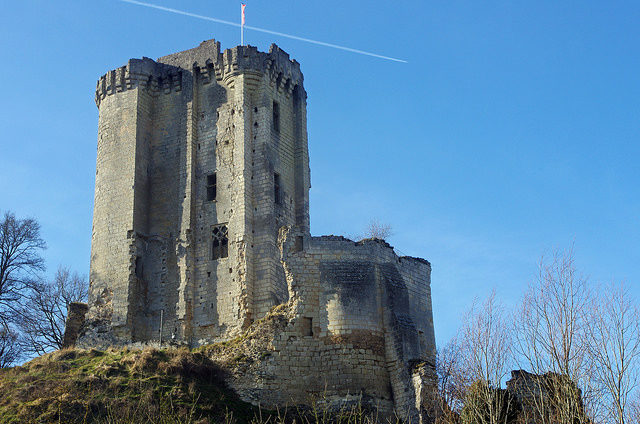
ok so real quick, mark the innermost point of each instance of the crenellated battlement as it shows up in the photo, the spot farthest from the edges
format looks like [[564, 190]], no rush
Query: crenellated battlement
[[165, 74], [144, 73], [283, 73]]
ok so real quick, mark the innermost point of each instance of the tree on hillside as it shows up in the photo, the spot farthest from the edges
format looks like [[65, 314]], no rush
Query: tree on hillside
[[9, 349], [43, 315], [551, 328], [20, 260], [614, 345]]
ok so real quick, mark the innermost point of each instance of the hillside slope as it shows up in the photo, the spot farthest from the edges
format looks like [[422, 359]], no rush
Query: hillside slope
[[120, 386], [168, 385]]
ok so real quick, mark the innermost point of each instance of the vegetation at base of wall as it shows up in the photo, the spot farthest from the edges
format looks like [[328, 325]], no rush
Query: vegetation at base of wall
[[253, 345], [120, 386], [126, 386]]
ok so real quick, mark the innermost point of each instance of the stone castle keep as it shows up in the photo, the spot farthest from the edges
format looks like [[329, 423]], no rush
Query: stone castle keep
[[201, 227]]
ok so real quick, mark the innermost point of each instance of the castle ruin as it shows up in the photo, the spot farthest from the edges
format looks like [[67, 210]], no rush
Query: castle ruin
[[201, 227]]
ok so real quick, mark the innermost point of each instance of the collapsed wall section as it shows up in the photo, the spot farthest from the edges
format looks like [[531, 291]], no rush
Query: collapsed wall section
[[359, 327]]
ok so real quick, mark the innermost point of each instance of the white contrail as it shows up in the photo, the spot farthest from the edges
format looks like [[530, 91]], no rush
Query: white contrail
[[281, 34]]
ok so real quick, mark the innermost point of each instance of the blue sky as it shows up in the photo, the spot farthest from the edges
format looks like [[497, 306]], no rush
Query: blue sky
[[512, 130]]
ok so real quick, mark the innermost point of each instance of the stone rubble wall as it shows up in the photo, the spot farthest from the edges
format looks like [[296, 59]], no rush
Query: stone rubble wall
[[76, 312]]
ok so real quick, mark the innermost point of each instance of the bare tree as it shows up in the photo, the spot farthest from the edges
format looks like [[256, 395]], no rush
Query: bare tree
[[452, 381], [551, 328], [487, 357], [376, 229], [614, 344], [20, 260], [43, 316], [634, 408], [9, 349], [452, 376]]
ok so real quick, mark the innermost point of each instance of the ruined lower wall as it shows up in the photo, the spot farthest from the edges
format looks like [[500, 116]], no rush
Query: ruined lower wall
[[359, 326]]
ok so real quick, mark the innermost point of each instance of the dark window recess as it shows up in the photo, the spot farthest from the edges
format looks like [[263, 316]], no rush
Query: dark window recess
[[211, 187], [139, 266], [276, 188], [276, 117], [220, 242], [307, 326], [299, 244]]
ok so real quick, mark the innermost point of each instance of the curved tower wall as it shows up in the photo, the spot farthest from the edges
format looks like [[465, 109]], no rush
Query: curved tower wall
[[120, 197], [370, 318]]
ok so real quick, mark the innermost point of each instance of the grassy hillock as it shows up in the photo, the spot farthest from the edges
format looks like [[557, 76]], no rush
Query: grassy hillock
[[163, 386], [120, 386]]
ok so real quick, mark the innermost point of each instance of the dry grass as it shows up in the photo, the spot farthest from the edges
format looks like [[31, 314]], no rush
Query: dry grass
[[164, 386], [253, 345], [149, 386], [119, 386]]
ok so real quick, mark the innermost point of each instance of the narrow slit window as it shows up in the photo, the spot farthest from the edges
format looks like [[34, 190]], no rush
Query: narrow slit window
[[219, 242], [211, 187], [299, 247], [276, 188], [307, 326], [276, 117], [139, 267]]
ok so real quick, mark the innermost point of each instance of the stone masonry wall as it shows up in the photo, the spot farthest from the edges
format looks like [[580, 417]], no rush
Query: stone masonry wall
[[113, 216], [353, 330]]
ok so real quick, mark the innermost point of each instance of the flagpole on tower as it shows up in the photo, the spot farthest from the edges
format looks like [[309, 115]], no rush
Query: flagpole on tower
[[242, 26]]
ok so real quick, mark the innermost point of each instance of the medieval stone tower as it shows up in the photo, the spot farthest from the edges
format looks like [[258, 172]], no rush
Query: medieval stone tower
[[201, 226], [202, 156]]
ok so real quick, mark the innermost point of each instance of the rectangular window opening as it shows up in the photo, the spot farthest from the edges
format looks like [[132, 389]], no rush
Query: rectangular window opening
[[276, 117], [211, 187], [219, 242], [307, 326], [299, 244], [139, 269], [276, 188]]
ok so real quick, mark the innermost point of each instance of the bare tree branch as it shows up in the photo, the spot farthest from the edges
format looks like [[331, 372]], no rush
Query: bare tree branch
[[452, 382], [486, 350], [20, 261], [9, 349], [614, 344], [44, 313], [376, 229], [551, 328]]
